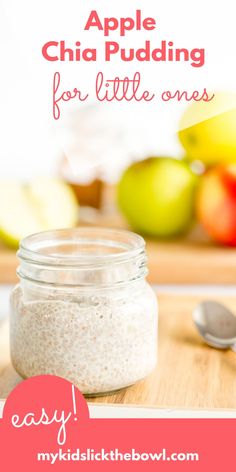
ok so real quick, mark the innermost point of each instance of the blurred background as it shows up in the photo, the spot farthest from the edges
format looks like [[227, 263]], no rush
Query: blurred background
[[164, 170]]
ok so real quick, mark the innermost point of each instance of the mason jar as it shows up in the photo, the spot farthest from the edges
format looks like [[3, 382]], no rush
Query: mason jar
[[83, 310]]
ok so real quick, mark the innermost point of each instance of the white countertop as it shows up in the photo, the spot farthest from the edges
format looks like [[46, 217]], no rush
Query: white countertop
[[120, 411]]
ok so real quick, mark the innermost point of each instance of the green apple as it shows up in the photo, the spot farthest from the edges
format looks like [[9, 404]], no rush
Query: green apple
[[43, 204], [157, 196]]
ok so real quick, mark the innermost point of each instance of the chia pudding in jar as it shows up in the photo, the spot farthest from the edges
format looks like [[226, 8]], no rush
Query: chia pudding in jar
[[83, 309]]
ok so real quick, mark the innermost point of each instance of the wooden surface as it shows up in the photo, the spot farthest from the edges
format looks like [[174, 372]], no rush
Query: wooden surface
[[189, 374]]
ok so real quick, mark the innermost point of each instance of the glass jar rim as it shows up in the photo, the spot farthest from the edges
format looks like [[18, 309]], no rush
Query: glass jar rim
[[40, 247]]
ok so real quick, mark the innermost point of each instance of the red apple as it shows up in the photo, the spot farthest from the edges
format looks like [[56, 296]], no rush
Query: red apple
[[216, 203]]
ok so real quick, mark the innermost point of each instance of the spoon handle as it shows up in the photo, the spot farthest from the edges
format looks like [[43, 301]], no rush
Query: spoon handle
[[233, 347]]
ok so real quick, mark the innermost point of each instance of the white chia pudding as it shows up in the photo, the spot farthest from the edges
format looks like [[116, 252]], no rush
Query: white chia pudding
[[101, 342]]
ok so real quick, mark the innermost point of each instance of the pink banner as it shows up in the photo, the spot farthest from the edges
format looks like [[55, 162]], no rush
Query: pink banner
[[46, 426]]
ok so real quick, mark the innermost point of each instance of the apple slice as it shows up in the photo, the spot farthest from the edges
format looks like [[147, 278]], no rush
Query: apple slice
[[55, 201], [43, 204]]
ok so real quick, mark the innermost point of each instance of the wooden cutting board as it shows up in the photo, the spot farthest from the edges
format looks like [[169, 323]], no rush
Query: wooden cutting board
[[189, 374]]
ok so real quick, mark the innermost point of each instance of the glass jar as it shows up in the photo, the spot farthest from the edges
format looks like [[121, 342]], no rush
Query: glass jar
[[83, 309]]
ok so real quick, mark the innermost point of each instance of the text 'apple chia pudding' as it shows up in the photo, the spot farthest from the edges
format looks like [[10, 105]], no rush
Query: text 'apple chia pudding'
[[83, 309]]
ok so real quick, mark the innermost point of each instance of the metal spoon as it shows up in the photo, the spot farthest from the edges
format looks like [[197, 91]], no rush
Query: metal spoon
[[216, 324]]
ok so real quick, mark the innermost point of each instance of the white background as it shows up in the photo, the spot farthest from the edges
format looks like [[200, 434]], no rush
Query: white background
[[31, 140]]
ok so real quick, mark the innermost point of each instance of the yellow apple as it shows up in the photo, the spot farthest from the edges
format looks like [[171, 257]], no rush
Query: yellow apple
[[208, 130]]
